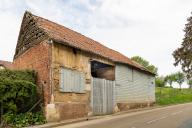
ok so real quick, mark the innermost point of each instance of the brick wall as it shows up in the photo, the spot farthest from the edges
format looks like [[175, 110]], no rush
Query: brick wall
[[38, 59]]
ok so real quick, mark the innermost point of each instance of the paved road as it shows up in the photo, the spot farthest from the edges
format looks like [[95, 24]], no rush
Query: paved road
[[178, 116]]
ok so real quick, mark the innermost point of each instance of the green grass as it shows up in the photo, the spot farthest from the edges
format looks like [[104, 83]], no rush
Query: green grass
[[168, 96]]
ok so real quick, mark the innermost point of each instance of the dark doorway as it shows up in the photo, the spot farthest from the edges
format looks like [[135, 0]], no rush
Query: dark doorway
[[101, 70]]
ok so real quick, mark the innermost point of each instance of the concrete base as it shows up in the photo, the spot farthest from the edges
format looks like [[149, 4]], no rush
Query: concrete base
[[116, 109], [127, 106], [52, 113], [63, 111]]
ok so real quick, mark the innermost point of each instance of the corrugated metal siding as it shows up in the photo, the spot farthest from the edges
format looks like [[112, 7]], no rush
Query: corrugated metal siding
[[140, 89], [123, 75], [72, 81], [102, 96]]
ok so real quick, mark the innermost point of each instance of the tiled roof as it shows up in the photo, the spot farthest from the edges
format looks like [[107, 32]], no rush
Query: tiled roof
[[6, 64], [69, 37]]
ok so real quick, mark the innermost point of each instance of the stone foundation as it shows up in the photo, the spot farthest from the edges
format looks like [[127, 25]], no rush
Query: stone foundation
[[128, 106], [64, 111], [52, 114]]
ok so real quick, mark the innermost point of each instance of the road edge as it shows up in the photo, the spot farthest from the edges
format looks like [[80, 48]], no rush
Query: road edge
[[132, 111]]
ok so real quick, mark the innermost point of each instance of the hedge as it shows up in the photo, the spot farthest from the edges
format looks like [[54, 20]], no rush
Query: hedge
[[18, 94], [25, 75]]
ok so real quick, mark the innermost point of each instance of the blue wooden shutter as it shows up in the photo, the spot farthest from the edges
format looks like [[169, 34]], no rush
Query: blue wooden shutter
[[72, 81]]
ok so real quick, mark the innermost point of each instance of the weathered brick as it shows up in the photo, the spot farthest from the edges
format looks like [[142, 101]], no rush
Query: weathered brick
[[37, 58]]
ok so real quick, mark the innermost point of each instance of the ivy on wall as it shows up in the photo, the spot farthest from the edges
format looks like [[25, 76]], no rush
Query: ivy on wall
[[25, 75], [18, 93]]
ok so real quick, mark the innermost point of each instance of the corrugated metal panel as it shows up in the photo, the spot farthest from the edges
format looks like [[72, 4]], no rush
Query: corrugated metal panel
[[72, 81], [102, 96], [123, 75], [140, 89]]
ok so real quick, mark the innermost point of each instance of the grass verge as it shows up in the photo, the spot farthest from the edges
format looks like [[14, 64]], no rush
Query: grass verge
[[168, 96]]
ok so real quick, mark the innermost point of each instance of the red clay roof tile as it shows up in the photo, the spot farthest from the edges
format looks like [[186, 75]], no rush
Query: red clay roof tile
[[6, 64], [74, 39]]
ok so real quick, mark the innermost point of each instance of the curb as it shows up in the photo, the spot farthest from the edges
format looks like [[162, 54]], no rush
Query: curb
[[71, 121]]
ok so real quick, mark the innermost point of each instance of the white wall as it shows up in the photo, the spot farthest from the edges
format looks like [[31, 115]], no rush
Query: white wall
[[133, 86]]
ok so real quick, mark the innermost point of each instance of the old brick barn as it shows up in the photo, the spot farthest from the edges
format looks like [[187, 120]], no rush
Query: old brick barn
[[79, 76]]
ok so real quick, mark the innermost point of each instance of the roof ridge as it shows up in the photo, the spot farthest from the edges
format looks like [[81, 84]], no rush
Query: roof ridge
[[75, 39], [42, 18], [39, 17]]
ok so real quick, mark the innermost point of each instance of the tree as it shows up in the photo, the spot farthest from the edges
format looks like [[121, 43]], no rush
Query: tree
[[170, 79], [145, 64], [179, 78], [160, 81], [190, 83], [183, 55]]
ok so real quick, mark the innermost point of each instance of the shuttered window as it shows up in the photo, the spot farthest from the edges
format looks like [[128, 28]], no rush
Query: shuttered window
[[72, 81]]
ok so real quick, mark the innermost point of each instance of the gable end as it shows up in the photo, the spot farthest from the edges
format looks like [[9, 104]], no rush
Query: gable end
[[30, 34]]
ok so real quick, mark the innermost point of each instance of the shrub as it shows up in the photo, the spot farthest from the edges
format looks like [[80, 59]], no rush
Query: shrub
[[25, 75], [18, 94], [159, 82], [24, 119]]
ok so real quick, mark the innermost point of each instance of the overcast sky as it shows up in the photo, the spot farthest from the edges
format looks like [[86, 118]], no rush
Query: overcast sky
[[152, 29]]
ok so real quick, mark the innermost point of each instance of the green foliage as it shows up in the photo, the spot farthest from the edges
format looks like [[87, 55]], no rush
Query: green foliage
[[189, 83], [152, 68], [145, 64], [17, 95], [140, 60], [24, 119], [25, 75], [166, 96], [170, 79], [179, 78], [159, 81], [183, 55]]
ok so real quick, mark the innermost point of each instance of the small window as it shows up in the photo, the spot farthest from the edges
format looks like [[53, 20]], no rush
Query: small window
[[72, 81]]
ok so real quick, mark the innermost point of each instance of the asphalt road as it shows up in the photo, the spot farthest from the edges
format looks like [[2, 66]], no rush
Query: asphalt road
[[178, 116]]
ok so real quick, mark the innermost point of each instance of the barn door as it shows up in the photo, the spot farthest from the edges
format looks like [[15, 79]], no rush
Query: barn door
[[102, 96]]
